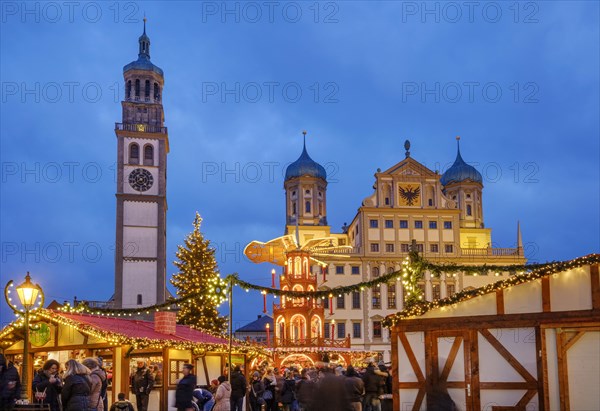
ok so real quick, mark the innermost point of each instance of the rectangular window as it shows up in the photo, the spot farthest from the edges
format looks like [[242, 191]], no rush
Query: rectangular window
[[447, 225], [436, 293], [418, 224], [403, 223], [327, 330], [341, 301], [419, 247], [355, 269], [449, 289], [374, 247], [391, 295], [355, 299], [389, 248], [339, 269], [373, 223], [376, 297], [449, 248], [356, 331], [376, 329], [434, 248], [341, 330], [405, 248], [175, 370], [433, 225], [326, 303], [389, 223]]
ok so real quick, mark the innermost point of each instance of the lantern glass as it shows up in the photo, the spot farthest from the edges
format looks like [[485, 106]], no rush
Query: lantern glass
[[28, 293]]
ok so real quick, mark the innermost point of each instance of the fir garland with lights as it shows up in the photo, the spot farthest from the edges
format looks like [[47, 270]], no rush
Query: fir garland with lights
[[198, 276], [417, 308]]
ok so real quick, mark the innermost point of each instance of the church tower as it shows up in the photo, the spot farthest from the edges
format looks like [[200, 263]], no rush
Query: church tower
[[464, 184], [306, 197], [142, 147]]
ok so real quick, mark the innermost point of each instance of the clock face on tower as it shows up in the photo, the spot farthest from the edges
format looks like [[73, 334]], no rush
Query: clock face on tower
[[141, 179]]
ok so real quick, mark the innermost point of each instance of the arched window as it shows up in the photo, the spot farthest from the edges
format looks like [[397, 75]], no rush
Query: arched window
[[147, 89], [128, 91], [307, 207], [148, 155], [294, 208], [469, 210], [139, 299], [156, 92], [134, 153], [375, 272], [137, 87]]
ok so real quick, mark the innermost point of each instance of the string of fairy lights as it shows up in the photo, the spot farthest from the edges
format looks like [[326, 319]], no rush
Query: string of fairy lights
[[410, 273]]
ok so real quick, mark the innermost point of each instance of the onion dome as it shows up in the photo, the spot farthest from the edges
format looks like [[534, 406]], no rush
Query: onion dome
[[305, 166], [460, 171], [143, 62]]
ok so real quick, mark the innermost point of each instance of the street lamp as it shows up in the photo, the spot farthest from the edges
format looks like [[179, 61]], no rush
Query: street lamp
[[28, 294]]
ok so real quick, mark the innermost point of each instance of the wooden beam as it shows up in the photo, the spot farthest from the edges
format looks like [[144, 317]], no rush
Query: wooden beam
[[571, 341], [499, 302], [411, 357], [546, 303], [540, 368], [595, 279], [563, 377], [522, 404], [508, 385], [451, 357], [475, 383], [499, 321], [507, 355], [396, 384]]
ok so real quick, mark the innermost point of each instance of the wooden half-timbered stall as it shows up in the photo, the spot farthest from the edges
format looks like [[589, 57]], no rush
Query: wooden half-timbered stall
[[531, 342], [164, 345]]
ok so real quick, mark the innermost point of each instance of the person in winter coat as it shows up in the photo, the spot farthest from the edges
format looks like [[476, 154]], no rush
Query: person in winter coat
[[98, 378], [122, 404], [75, 393], [142, 382], [184, 393], [48, 381], [238, 389], [256, 392], [204, 399], [223, 395], [288, 392], [374, 380], [355, 388], [305, 391], [10, 384], [270, 384]]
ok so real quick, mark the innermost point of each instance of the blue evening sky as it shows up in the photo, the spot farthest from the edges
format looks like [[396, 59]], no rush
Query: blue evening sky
[[518, 81]]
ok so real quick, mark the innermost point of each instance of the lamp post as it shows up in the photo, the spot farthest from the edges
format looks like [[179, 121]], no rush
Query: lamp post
[[28, 293]]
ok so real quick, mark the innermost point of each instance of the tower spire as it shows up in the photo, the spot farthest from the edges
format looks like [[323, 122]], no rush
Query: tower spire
[[144, 42], [519, 238]]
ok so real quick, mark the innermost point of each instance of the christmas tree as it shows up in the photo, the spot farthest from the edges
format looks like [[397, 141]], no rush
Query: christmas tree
[[199, 276]]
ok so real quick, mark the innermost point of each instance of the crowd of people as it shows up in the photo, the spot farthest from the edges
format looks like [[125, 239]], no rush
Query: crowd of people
[[83, 386], [324, 388]]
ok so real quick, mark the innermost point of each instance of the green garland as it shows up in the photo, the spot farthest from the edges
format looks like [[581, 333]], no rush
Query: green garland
[[417, 308], [410, 274]]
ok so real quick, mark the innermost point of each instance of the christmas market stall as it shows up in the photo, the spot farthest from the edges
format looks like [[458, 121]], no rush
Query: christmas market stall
[[164, 345], [531, 341]]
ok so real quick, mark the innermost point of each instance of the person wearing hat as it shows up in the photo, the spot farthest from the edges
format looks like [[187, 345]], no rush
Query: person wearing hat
[[10, 384], [142, 382], [184, 394], [256, 392]]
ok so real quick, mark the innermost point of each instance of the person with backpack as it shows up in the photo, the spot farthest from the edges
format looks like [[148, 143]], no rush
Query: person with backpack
[[204, 399], [123, 404], [47, 384], [142, 382], [257, 390], [75, 393], [98, 379]]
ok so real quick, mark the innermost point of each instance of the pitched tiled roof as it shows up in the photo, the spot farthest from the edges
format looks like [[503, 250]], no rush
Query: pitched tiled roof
[[257, 325]]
